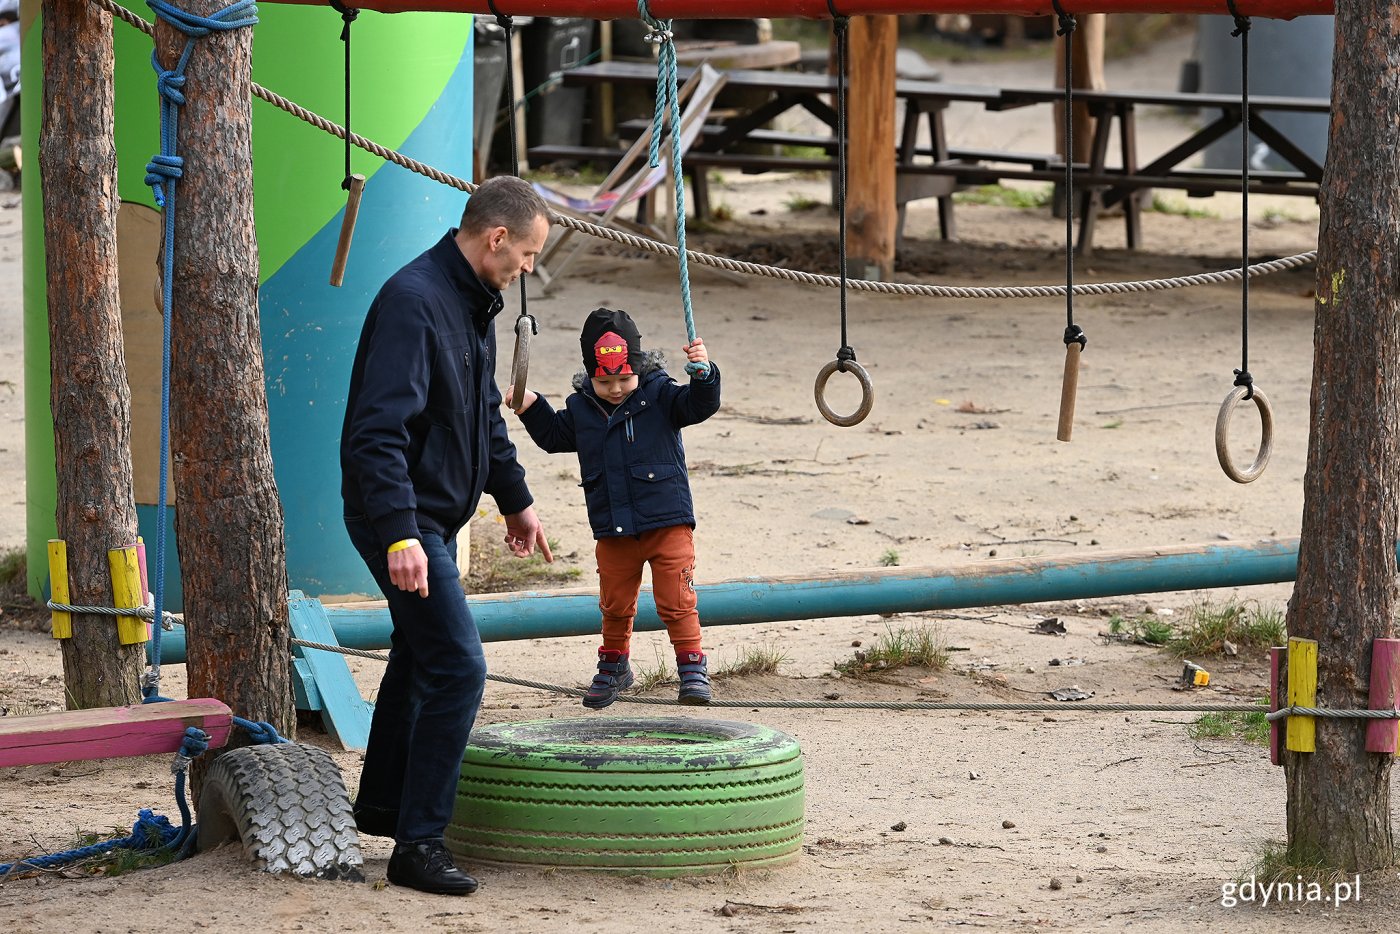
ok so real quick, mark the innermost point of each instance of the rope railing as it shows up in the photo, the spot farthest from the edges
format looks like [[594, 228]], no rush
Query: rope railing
[[646, 244]]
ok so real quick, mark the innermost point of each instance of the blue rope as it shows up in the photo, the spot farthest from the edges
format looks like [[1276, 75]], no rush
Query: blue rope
[[666, 93], [151, 833], [162, 172]]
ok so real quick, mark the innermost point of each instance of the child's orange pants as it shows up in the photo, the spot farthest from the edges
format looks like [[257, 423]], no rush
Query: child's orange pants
[[671, 554]]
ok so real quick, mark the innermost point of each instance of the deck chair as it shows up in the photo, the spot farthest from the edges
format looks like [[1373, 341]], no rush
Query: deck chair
[[631, 180]]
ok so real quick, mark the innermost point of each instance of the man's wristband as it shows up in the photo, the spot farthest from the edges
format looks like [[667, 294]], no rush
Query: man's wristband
[[403, 545]]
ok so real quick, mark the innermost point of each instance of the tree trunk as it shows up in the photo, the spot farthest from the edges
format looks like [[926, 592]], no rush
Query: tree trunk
[[96, 508], [870, 197], [229, 522], [1339, 796]]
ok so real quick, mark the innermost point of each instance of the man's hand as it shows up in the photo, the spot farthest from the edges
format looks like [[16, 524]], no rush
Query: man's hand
[[408, 569], [523, 533]]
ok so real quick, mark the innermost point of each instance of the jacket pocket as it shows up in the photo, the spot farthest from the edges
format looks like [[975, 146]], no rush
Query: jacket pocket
[[659, 491], [595, 497]]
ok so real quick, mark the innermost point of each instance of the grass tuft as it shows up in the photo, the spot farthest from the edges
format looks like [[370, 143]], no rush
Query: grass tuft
[[918, 647], [1209, 626], [764, 659]]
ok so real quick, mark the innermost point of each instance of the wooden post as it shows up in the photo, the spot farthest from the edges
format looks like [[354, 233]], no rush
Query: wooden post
[[1381, 735], [870, 105], [126, 592], [232, 552], [1086, 73], [61, 621], [89, 392], [1339, 798], [1302, 692]]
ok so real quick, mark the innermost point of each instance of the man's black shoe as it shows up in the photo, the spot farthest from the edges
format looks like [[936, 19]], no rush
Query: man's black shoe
[[376, 822], [428, 867]]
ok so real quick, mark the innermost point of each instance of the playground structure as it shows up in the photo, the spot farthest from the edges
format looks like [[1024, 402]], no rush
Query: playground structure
[[813, 10]]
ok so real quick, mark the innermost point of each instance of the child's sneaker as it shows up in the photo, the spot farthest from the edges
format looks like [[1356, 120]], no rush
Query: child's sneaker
[[695, 678], [614, 676]]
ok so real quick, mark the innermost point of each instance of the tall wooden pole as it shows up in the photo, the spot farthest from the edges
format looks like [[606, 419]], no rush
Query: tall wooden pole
[[229, 521], [1346, 595], [870, 197], [96, 508], [1086, 72]]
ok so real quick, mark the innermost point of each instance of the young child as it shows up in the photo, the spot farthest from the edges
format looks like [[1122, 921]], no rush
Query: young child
[[624, 420]]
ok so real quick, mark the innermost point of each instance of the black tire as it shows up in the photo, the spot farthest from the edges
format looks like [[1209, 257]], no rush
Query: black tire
[[657, 796], [287, 804]]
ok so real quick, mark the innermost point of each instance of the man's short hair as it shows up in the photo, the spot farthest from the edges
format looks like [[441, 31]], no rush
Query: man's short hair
[[503, 201]]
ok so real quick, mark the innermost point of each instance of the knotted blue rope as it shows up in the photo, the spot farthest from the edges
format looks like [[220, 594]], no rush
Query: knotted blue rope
[[666, 94], [162, 172], [150, 833]]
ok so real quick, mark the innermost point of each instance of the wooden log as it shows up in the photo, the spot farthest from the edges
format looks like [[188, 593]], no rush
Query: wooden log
[[89, 395], [61, 621], [1381, 735], [109, 732], [347, 229], [1069, 389], [1302, 692], [1277, 656], [126, 592]]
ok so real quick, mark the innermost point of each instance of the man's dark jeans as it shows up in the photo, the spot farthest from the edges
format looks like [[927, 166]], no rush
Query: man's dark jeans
[[430, 694]]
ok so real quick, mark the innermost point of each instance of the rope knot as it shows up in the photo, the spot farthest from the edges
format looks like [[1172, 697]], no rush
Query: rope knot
[[838, 22], [1067, 20], [658, 35], [259, 731], [847, 354], [1242, 23], [194, 745], [168, 84], [1243, 378], [1074, 334]]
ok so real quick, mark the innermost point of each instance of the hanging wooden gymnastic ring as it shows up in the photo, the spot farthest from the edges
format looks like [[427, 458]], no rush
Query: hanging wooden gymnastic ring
[[520, 363], [1266, 435], [867, 393]]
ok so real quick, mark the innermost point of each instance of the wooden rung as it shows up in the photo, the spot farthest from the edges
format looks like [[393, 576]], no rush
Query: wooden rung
[[1301, 733], [125, 565], [61, 621], [109, 732]]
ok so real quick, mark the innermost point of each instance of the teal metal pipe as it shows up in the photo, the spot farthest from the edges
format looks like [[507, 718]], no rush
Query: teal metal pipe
[[999, 582]]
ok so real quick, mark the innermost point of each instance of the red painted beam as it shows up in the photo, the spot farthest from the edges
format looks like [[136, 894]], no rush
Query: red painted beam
[[109, 732], [818, 9]]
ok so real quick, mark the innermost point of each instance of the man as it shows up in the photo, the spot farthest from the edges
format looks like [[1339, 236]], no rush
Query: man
[[423, 439]]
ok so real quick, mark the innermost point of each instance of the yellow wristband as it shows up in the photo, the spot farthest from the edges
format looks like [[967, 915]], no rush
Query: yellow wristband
[[403, 545]]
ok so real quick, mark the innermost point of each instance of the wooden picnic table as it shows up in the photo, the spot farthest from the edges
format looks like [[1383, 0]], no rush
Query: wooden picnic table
[[936, 169]]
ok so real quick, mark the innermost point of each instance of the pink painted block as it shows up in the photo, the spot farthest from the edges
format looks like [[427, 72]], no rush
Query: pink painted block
[[1276, 656], [1385, 682], [110, 732]]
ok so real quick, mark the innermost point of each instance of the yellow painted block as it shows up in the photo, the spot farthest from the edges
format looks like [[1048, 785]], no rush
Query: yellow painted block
[[61, 620], [1301, 733], [126, 592]]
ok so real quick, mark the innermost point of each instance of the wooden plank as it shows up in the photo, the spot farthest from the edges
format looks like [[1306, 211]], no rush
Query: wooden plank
[[304, 687], [109, 732], [1381, 735], [871, 214], [61, 621], [344, 712], [1301, 733]]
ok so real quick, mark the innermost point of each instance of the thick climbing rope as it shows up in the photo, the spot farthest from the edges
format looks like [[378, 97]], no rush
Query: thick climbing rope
[[646, 244], [162, 173], [667, 96]]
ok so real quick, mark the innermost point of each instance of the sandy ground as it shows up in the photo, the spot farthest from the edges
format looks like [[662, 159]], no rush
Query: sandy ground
[[1061, 821]]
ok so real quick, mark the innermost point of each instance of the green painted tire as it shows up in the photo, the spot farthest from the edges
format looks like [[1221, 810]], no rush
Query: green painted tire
[[657, 796]]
